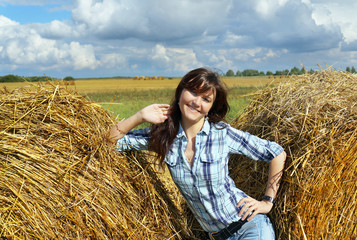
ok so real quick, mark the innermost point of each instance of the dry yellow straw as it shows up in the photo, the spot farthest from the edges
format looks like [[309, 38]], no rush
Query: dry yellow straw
[[314, 117], [60, 180]]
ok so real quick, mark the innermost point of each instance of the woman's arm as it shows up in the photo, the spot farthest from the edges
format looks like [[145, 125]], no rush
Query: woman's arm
[[276, 167], [155, 113], [252, 206]]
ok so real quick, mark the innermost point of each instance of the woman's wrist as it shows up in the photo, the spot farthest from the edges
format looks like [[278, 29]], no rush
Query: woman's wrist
[[268, 199], [139, 117]]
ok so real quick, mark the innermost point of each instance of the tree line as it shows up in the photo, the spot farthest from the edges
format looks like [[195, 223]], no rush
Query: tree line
[[293, 71], [15, 78]]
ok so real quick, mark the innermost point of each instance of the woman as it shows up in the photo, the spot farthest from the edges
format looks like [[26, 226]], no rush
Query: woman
[[191, 137]]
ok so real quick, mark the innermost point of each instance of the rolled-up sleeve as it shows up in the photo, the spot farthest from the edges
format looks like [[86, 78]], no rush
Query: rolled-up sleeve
[[134, 139], [244, 143]]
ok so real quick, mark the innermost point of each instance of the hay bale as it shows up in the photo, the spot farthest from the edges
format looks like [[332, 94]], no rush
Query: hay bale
[[60, 180], [314, 117]]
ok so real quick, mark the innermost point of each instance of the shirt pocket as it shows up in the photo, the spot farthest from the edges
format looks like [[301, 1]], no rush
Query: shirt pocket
[[211, 172]]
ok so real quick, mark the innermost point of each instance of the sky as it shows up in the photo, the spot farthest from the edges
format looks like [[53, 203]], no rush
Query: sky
[[107, 38]]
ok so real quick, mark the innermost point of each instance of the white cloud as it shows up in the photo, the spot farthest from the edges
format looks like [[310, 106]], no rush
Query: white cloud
[[160, 55], [283, 24], [177, 59], [113, 60], [267, 8], [5, 22], [329, 13], [24, 47], [82, 56], [56, 30], [234, 40], [151, 20]]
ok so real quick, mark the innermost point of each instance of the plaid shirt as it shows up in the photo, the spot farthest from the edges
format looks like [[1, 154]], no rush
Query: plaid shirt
[[209, 192]]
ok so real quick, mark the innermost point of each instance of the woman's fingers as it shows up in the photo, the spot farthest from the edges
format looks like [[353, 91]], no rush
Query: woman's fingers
[[155, 113], [245, 204], [251, 207], [164, 108]]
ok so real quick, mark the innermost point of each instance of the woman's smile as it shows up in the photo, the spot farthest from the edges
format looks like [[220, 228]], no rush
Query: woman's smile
[[193, 108]]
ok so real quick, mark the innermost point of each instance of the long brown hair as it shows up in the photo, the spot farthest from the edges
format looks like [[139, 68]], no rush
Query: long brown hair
[[199, 80]]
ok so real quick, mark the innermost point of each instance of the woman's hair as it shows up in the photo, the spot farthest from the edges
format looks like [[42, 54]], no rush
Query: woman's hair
[[200, 80]]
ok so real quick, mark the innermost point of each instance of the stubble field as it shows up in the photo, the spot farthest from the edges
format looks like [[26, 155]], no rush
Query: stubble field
[[124, 96]]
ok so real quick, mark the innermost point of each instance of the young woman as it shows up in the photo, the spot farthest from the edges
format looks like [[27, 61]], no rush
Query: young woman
[[192, 139]]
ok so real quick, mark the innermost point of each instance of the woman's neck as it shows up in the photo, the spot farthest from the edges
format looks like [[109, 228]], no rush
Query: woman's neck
[[192, 128]]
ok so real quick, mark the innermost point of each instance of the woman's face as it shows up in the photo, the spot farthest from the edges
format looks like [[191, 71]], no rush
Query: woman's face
[[195, 106]]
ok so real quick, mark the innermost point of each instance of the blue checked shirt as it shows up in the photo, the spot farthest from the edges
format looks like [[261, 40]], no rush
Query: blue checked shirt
[[209, 192]]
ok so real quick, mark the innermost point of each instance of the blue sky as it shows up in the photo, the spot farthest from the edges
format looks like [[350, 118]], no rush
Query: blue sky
[[104, 38], [25, 14]]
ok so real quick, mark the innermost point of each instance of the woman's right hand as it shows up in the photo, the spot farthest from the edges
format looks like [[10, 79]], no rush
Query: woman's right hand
[[155, 113]]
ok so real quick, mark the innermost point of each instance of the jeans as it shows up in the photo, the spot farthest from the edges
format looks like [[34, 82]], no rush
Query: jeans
[[259, 228]]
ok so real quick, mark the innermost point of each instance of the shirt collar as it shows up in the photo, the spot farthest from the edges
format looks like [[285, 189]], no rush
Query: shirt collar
[[205, 129]]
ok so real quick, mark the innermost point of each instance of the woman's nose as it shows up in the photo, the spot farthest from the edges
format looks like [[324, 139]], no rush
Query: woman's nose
[[197, 100]]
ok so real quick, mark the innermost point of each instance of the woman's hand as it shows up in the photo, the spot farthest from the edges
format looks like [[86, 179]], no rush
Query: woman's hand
[[252, 207], [155, 113]]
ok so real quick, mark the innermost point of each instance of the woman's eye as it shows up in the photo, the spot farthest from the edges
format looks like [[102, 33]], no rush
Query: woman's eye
[[193, 93], [206, 99]]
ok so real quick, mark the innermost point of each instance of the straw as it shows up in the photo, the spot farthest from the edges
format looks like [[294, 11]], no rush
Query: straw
[[60, 179], [314, 117]]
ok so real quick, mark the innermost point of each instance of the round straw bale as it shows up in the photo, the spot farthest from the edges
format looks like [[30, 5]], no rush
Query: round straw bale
[[314, 117], [59, 179]]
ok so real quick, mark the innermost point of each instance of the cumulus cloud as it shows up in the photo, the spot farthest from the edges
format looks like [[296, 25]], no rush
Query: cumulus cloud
[[6, 22], [24, 47], [350, 46], [283, 24], [56, 30], [177, 59], [329, 13], [113, 61], [156, 20]]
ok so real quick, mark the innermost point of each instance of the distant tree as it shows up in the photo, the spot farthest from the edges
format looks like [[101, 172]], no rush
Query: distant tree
[[348, 69], [295, 71], [269, 73], [68, 78], [37, 79], [278, 73], [11, 78], [353, 70], [311, 71], [302, 71], [250, 72], [239, 74], [261, 73], [230, 73]]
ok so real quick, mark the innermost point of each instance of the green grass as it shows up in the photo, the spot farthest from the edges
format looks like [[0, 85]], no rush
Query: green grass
[[122, 104]]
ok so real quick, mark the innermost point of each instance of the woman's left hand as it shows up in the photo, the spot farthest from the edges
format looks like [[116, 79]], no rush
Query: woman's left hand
[[252, 207]]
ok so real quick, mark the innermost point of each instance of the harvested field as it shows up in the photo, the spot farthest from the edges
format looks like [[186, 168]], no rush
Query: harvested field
[[60, 180], [85, 86], [314, 117]]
